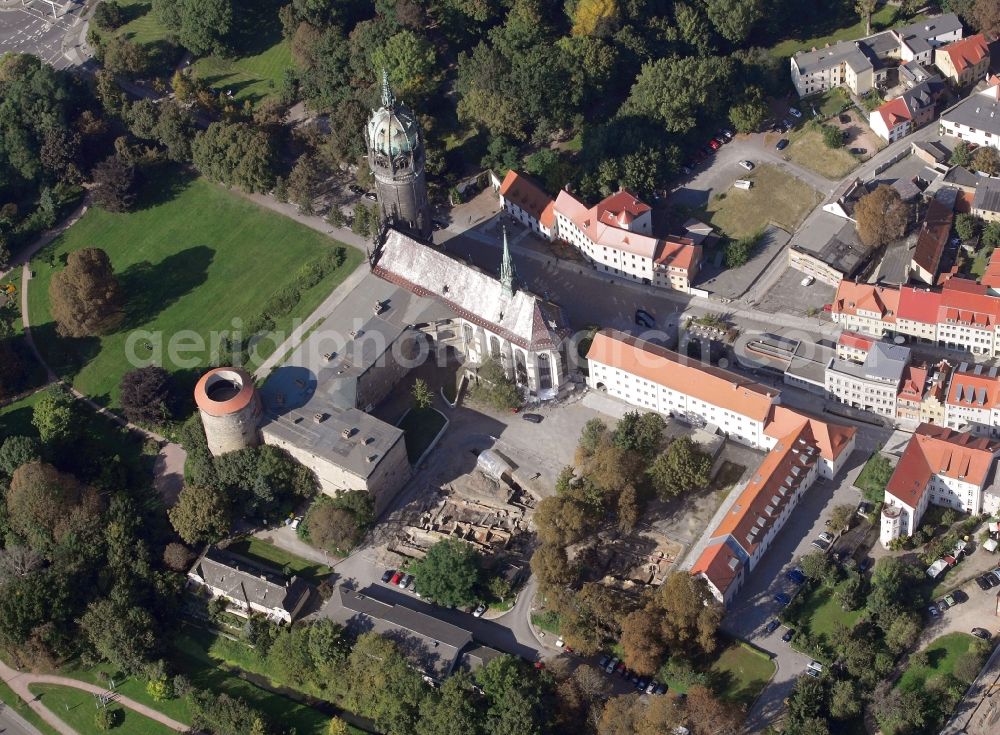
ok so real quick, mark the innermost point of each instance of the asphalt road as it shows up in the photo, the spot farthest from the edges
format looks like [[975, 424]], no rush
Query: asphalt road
[[12, 723]]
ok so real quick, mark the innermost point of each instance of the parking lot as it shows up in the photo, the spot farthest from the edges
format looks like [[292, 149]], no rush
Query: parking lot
[[732, 283], [789, 296], [32, 30]]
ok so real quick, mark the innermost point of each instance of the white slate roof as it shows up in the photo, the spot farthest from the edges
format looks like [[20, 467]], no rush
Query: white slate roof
[[524, 319]]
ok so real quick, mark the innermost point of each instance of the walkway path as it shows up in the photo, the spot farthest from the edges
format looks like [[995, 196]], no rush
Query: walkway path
[[169, 465], [20, 681]]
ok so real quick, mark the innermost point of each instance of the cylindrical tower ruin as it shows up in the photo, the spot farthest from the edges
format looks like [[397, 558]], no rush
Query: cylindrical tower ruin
[[230, 409]]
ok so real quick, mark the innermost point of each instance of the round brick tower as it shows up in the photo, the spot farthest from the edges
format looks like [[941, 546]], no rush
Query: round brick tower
[[230, 409]]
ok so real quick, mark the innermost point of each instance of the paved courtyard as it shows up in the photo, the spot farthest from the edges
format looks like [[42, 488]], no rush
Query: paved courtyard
[[789, 296], [32, 30]]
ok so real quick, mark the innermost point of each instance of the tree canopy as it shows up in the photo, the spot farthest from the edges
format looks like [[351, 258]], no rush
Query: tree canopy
[[449, 573]]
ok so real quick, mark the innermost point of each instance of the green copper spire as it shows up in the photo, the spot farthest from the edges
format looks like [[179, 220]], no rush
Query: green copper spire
[[388, 101], [507, 268]]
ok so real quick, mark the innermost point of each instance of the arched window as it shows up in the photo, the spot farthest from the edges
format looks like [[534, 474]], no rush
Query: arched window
[[520, 368], [494, 346], [544, 371]]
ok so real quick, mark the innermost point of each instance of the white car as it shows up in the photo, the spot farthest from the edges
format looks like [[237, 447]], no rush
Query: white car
[[748, 165], [478, 612], [296, 522], [807, 281], [794, 113]]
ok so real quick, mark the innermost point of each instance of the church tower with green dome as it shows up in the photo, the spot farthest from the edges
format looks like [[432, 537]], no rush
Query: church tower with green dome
[[396, 158]]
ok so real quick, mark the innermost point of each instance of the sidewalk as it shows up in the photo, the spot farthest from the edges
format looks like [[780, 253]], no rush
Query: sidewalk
[[19, 682]]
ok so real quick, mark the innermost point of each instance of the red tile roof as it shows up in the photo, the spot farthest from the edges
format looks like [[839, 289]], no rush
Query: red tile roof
[[682, 374], [974, 391], [894, 112], [620, 209], [530, 197], [852, 297], [991, 277], [936, 450], [966, 52], [680, 252], [933, 236], [831, 438], [914, 380], [719, 563], [967, 302], [855, 341], [919, 304]]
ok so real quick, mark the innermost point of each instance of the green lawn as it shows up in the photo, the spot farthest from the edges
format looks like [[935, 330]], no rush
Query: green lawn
[[942, 654], [421, 426], [872, 479], [142, 27], [253, 77], [547, 621], [742, 673], [807, 149], [775, 197], [191, 259], [262, 551], [128, 686], [15, 418], [821, 612], [77, 709], [828, 103], [880, 20], [14, 702]]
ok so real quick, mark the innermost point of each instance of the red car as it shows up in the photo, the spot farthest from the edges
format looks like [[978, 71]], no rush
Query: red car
[[716, 145], [827, 307], [395, 578]]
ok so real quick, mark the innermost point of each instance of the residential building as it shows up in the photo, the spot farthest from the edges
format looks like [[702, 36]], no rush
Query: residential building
[[872, 385], [615, 237], [986, 202], [913, 109], [527, 202], [934, 233], [921, 398], [917, 313], [973, 402], [864, 64], [939, 467], [976, 119], [965, 61], [863, 307], [991, 276], [829, 249], [854, 347], [911, 394], [249, 587]]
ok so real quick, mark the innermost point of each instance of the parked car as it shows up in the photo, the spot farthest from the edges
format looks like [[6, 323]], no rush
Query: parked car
[[782, 599], [623, 671], [996, 573], [827, 536], [788, 635], [772, 626], [714, 144], [864, 507], [807, 281], [959, 597], [813, 673], [795, 575], [865, 564], [794, 113], [387, 574], [480, 609], [950, 600], [611, 665], [748, 165], [827, 307], [411, 586], [782, 144], [370, 195], [932, 609], [395, 578], [859, 151], [406, 581], [686, 170], [651, 687], [982, 583], [660, 689], [355, 189], [296, 522], [725, 134], [644, 319], [642, 683], [535, 418], [981, 633], [991, 580], [942, 606], [437, 225], [603, 662], [820, 543]]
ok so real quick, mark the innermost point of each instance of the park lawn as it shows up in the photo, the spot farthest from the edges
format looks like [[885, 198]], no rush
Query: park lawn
[[14, 702], [807, 149], [942, 653], [421, 426], [143, 27], [132, 687], [269, 554], [775, 197], [15, 418], [254, 77], [191, 259], [822, 612], [743, 673], [880, 19], [77, 709], [866, 481]]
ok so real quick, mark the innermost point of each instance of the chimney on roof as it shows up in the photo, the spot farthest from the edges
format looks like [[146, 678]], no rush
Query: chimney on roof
[[318, 417], [348, 432]]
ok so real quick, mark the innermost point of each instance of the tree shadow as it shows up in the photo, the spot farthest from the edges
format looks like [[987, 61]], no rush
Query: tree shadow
[[256, 27], [162, 184], [149, 289], [219, 83], [133, 12], [65, 355]]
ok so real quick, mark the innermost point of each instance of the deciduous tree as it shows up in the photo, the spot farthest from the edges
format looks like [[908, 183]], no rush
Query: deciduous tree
[[881, 216], [200, 515], [643, 651], [411, 61], [865, 9], [734, 19], [55, 416], [422, 396], [681, 468], [987, 15], [673, 90], [235, 154], [124, 635], [449, 573], [451, 709], [44, 506], [709, 715], [691, 615], [114, 184], [16, 451], [146, 394], [85, 296], [986, 160], [550, 566]]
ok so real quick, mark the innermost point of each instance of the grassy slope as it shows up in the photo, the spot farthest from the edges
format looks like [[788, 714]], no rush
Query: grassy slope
[[194, 260], [743, 672], [775, 197], [255, 549], [77, 709]]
